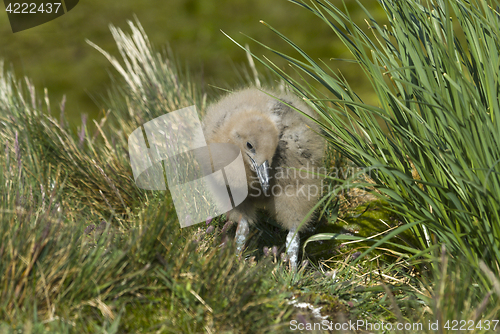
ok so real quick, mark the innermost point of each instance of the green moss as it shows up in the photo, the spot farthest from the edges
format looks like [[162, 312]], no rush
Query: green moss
[[330, 305], [365, 221]]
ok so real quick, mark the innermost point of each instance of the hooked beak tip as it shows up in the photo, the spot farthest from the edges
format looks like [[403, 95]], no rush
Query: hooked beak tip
[[262, 172]]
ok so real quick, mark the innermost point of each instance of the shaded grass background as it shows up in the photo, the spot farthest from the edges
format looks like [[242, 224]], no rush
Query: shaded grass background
[[55, 54], [438, 94]]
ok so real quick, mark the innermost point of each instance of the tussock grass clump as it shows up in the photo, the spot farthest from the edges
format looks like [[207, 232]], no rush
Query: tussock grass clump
[[433, 135], [84, 250], [93, 165]]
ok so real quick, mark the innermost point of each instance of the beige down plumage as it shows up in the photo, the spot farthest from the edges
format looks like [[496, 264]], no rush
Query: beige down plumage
[[279, 145]]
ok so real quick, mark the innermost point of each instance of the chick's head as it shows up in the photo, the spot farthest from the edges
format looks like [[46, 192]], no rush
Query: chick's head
[[257, 137]]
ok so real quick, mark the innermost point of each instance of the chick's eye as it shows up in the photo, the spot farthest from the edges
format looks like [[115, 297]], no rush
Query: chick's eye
[[249, 146]]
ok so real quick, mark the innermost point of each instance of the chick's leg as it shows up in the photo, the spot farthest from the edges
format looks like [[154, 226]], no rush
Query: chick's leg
[[292, 247], [241, 235]]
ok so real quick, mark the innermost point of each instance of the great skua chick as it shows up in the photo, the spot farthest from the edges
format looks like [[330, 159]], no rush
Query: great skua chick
[[282, 151]]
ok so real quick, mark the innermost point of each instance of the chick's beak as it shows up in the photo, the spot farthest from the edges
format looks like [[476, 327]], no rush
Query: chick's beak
[[262, 173]]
